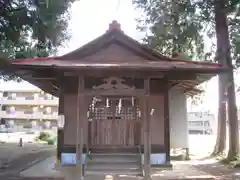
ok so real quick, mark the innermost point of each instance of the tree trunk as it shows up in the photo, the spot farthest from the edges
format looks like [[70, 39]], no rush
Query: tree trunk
[[233, 151], [223, 50], [220, 145]]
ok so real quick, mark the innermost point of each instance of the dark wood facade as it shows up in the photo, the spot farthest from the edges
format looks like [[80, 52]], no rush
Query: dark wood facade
[[131, 77], [110, 130]]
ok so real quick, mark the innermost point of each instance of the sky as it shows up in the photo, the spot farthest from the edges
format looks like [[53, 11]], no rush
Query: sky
[[90, 19]]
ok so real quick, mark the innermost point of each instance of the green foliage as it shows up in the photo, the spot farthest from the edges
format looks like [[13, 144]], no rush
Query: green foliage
[[52, 140], [174, 27], [43, 136], [34, 28], [47, 137], [180, 25]]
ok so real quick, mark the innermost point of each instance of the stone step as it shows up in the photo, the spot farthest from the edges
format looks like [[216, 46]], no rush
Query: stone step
[[112, 166], [115, 154], [104, 158], [113, 150], [134, 172]]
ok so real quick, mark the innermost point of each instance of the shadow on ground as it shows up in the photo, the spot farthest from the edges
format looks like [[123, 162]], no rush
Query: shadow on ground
[[212, 166]]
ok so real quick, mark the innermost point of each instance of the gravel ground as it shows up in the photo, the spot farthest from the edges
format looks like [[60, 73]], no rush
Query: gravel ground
[[15, 159], [11, 151], [19, 158]]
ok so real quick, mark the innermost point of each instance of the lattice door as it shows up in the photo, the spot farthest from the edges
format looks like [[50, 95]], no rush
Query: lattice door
[[114, 125]]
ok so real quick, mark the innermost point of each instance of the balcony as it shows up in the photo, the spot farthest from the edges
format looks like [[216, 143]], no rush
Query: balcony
[[29, 101], [24, 115]]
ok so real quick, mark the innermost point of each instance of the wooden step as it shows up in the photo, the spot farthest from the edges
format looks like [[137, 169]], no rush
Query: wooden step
[[135, 172], [112, 166], [113, 158], [114, 149]]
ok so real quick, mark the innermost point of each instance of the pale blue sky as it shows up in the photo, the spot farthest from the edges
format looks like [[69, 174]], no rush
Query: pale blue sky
[[90, 19]]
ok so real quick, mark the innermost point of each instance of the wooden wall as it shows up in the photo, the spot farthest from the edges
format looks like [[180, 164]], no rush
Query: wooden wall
[[157, 120], [156, 101], [70, 112]]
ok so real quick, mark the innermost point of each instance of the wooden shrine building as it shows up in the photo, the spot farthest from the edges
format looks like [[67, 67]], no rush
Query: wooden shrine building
[[119, 98]]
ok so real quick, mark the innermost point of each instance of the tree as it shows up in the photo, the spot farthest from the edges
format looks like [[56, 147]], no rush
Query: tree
[[224, 54], [32, 28], [174, 30], [226, 17], [197, 18]]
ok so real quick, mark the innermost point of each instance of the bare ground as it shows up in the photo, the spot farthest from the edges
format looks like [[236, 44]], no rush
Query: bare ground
[[14, 159]]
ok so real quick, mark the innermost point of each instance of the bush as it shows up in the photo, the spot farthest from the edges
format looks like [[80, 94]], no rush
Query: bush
[[43, 136], [47, 137], [51, 141]]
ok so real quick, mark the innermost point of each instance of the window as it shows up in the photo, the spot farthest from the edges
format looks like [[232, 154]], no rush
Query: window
[[10, 123], [3, 121], [48, 97], [29, 97], [5, 94], [12, 96], [206, 123], [28, 111], [4, 107]]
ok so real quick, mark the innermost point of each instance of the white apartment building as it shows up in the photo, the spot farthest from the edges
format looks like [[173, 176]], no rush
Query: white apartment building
[[27, 108], [201, 123]]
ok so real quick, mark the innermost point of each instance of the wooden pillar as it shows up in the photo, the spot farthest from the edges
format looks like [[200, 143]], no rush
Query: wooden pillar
[[60, 132], [60, 144], [79, 138], [61, 101], [147, 143], [166, 123], [87, 102]]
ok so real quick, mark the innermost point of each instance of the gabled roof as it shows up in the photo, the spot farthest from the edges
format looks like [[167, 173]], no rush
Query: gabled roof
[[116, 36], [113, 36], [151, 59]]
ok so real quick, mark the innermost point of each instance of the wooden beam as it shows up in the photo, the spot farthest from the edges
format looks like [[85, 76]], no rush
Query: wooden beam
[[79, 138], [135, 73], [88, 101], [118, 72], [41, 78], [193, 89], [166, 124], [38, 73], [180, 76], [173, 84], [147, 141], [114, 92], [60, 144], [60, 132], [61, 96]]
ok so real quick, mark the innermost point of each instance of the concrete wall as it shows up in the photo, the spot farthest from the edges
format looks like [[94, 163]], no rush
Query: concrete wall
[[178, 119]]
